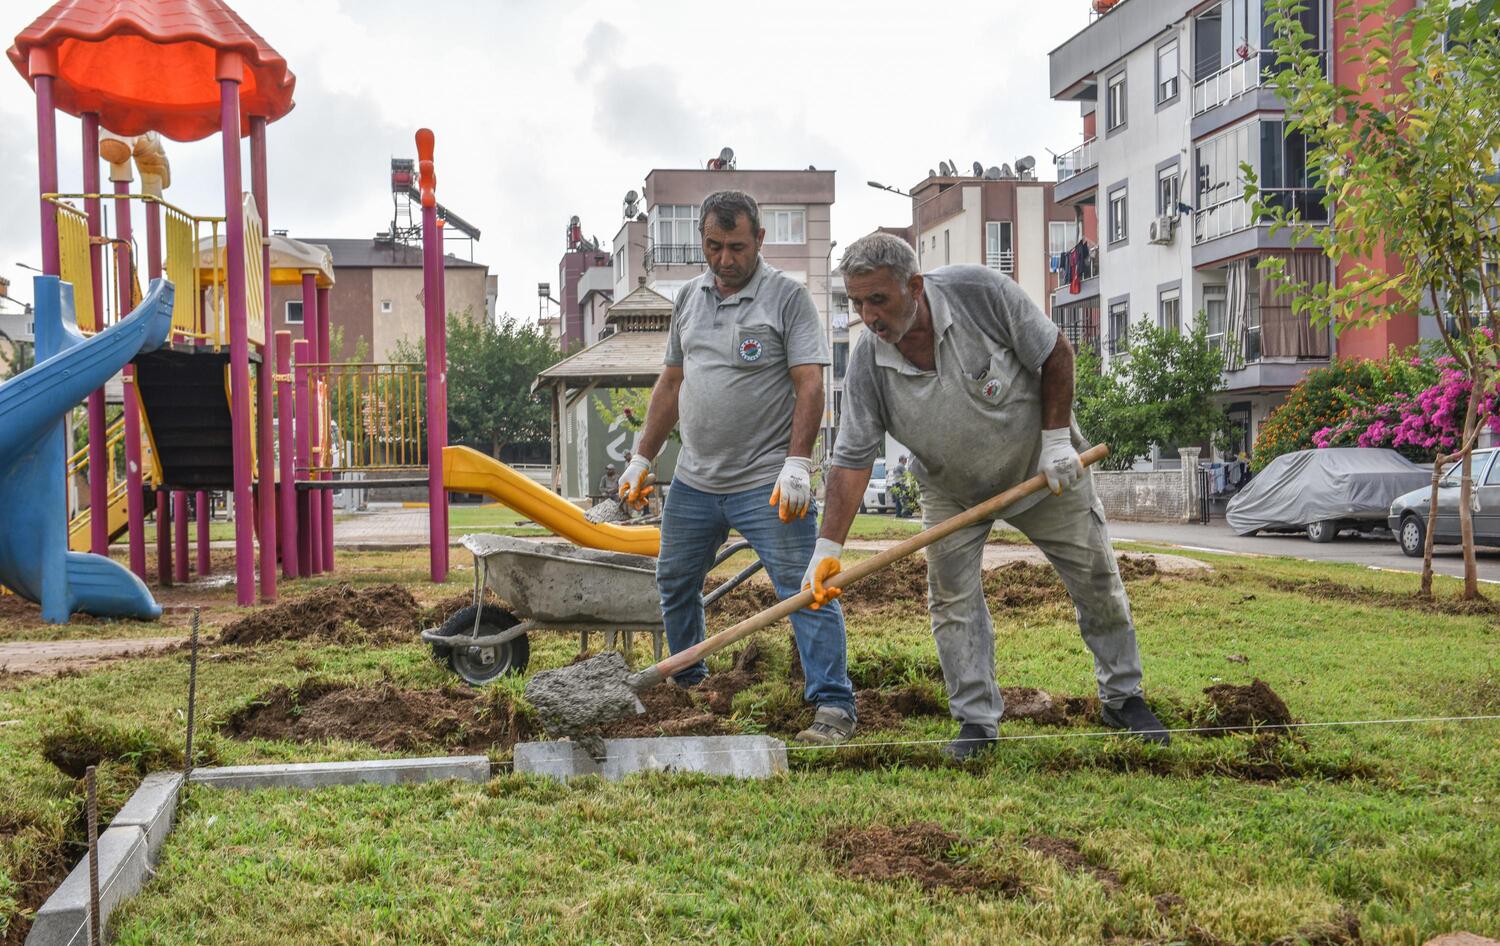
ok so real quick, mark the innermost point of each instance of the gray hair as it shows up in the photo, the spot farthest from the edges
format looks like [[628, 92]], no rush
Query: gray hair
[[879, 251], [727, 207]]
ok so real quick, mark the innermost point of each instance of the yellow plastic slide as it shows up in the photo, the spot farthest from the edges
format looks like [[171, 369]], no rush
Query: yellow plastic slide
[[468, 471]]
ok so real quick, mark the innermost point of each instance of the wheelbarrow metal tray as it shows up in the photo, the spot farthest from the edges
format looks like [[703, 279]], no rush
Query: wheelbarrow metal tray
[[559, 583]]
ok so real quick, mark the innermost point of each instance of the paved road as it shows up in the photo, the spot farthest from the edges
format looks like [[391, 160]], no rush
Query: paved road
[[1376, 552]]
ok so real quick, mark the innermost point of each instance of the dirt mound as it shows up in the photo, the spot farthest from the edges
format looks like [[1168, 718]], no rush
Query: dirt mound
[[1323, 590], [1233, 708], [921, 851], [1071, 857], [887, 709], [384, 715], [378, 614]]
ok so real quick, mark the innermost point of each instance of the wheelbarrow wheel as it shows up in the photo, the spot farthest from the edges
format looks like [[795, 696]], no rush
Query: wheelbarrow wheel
[[478, 666]]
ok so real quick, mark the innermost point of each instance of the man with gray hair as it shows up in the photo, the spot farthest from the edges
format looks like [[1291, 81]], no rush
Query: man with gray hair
[[961, 367], [744, 373]]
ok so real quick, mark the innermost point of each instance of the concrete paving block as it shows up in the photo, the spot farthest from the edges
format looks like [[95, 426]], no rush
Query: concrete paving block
[[152, 809], [469, 768], [63, 919], [737, 756]]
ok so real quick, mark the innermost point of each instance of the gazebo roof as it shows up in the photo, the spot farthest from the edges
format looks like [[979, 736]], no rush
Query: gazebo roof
[[151, 65]]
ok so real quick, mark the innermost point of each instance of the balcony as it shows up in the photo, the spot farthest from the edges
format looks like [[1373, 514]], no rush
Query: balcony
[[1002, 260], [1075, 162], [1227, 84], [1088, 279], [1235, 214], [674, 254]]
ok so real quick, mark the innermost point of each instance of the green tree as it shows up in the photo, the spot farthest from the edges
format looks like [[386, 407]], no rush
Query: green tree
[[1407, 155], [15, 357], [1162, 395], [491, 367]]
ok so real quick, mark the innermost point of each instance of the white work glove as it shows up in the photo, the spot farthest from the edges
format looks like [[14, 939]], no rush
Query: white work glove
[[824, 565], [634, 487], [793, 492], [1059, 462]]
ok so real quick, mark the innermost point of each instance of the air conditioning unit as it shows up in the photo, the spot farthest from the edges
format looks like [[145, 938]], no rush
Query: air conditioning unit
[[1162, 229]]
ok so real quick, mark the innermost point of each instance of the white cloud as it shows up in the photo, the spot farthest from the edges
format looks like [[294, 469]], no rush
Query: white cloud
[[544, 110]]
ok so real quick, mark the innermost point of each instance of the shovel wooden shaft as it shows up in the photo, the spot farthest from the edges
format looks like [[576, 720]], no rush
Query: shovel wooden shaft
[[863, 569]]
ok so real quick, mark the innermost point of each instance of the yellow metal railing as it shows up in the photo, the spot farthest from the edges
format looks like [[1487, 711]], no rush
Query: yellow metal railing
[[369, 416], [115, 502], [73, 255], [255, 281]]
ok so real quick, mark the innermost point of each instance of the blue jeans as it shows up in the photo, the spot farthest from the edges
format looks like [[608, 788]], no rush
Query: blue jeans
[[693, 526]]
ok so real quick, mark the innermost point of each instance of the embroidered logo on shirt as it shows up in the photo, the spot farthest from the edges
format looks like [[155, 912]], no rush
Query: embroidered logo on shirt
[[751, 349], [991, 389]]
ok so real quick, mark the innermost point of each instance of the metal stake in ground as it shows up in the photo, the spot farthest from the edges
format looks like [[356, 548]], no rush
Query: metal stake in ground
[[96, 937], [576, 701], [187, 759]]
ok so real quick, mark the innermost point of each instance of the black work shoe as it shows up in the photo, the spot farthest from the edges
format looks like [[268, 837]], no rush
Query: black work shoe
[[972, 740], [1134, 715]]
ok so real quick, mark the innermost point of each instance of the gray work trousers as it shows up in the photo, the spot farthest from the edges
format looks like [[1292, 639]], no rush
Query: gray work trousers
[[1070, 531]]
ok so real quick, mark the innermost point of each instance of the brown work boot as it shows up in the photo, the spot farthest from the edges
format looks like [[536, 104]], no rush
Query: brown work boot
[[830, 726]]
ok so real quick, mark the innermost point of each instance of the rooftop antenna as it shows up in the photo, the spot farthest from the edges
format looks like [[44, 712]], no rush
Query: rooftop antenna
[[978, 169]]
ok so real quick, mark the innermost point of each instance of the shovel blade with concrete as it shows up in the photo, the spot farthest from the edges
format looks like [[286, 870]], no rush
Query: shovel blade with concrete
[[577, 700]]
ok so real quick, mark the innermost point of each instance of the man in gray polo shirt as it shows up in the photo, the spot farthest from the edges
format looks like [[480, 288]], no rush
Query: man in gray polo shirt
[[744, 375], [961, 367]]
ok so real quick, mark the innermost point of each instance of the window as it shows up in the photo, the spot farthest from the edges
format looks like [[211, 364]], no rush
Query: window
[[294, 313], [1166, 190], [1492, 478], [1252, 312], [840, 359], [1062, 236], [999, 251], [1166, 72], [675, 225], [1285, 175], [1115, 104], [619, 264], [1119, 327], [1215, 310], [1169, 311], [385, 306], [947, 247], [1119, 224], [784, 226]]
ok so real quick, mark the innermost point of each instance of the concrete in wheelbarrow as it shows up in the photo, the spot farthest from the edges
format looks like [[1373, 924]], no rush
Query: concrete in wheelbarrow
[[736, 756]]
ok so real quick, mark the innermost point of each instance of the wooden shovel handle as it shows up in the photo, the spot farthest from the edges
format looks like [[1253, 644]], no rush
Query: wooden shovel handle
[[865, 568]]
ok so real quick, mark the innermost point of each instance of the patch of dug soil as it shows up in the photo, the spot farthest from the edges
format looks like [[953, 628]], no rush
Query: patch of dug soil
[[1233, 708], [921, 851], [698, 711], [1070, 856], [887, 709], [1323, 589], [379, 614], [384, 715]]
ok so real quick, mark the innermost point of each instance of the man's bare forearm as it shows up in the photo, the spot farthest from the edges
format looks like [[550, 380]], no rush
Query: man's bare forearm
[[661, 414], [808, 414], [846, 488], [1057, 386]]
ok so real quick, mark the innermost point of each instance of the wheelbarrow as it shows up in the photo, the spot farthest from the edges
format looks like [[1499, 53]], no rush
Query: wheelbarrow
[[555, 586]]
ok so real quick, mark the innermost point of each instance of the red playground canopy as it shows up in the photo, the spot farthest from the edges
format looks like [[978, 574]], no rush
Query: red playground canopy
[[151, 65]]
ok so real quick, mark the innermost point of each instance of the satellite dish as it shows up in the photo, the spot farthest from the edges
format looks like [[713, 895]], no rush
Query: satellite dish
[[952, 167], [1026, 163], [931, 173], [640, 218], [727, 155], [1006, 172], [631, 197], [992, 174], [945, 169], [978, 169], [573, 221]]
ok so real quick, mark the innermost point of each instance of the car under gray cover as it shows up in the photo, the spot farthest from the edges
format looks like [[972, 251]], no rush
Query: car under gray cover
[[1337, 484]]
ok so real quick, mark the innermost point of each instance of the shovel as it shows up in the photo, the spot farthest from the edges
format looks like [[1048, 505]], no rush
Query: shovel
[[577, 700]]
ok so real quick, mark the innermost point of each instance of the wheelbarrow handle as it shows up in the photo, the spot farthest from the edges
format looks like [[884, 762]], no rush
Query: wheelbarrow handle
[[861, 569]]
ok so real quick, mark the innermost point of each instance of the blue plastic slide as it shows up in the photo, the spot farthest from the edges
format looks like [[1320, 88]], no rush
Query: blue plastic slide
[[34, 558]]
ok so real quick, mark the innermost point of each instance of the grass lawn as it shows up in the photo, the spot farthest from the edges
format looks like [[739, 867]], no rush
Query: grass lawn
[[1238, 839]]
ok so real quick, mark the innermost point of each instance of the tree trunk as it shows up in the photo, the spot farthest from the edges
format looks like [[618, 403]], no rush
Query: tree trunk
[[1432, 515], [1466, 486]]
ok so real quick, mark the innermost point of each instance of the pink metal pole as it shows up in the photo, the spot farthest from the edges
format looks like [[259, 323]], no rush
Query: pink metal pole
[[165, 520], [98, 448], [432, 301], [265, 433], [307, 390], [135, 499], [287, 488], [205, 563], [325, 496], [229, 71], [180, 535], [46, 164], [307, 525]]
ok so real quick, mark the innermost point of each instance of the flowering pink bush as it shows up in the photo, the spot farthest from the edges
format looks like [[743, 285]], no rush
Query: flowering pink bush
[[1420, 425]]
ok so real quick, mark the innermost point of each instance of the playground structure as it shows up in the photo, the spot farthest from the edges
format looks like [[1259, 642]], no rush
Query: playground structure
[[217, 405]]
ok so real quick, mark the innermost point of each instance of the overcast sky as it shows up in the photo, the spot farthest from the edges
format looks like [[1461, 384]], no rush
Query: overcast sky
[[543, 110]]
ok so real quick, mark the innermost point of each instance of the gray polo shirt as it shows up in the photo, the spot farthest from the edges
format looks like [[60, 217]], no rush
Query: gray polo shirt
[[735, 407], [974, 423]]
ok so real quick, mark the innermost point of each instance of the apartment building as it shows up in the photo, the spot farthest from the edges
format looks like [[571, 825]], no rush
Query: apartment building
[[1172, 101]]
